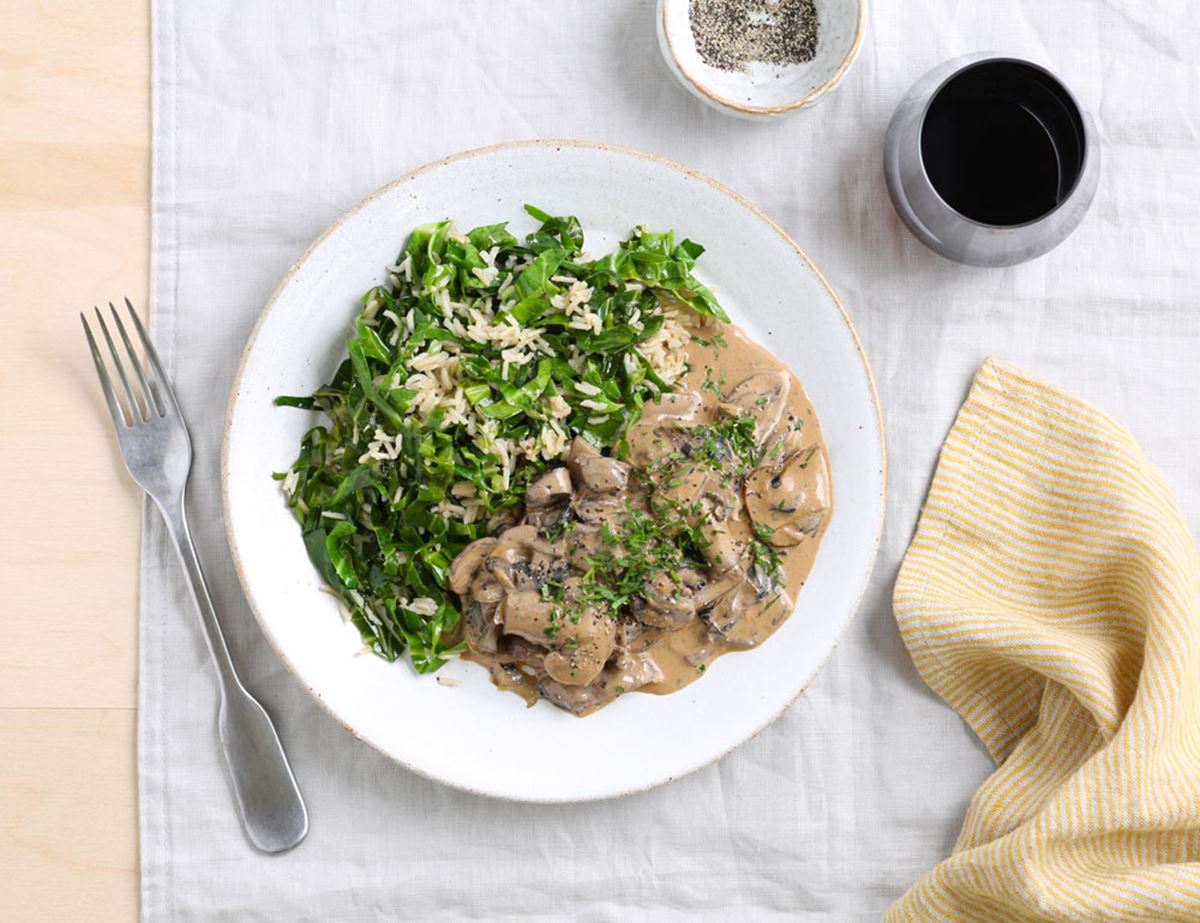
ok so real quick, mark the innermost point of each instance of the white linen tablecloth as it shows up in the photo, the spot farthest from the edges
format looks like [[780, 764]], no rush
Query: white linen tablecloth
[[272, 118]]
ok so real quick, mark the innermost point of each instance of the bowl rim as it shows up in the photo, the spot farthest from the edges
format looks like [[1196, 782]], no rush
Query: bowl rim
[[544, 144], [803, 102]]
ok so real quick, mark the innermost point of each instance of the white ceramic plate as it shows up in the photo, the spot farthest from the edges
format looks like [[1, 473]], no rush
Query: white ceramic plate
[[470, 735]]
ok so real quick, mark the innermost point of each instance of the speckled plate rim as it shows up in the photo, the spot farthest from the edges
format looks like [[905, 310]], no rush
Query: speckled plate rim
[[742, 201], [803, 102]]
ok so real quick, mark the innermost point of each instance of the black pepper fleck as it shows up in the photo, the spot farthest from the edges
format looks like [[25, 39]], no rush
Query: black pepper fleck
[[730, 34]]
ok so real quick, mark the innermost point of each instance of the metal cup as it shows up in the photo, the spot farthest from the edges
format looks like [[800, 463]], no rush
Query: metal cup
[[947, 231]]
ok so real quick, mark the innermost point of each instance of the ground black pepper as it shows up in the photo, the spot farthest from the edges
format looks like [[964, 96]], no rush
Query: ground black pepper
[[730, 34]]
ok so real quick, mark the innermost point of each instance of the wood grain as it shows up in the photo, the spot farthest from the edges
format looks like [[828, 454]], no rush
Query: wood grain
[[74, 230], [68, 815]]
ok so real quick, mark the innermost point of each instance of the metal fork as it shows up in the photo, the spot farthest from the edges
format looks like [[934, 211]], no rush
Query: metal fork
[[158, 453]]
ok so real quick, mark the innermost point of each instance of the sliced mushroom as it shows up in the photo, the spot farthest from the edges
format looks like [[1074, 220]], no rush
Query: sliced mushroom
[[737, 617], [602, 474], [515, 650], [547, 499], [673, 406], [485, 588], [581, 647], [524, 613], [504, 519], [544, 566], [657, 430], [761, 396], [600, 510], [584, 540], [517, 544], [631, 671], [523, 560], [722, 551], [671, 603], [723, 615], [669, 619], [711, 591], [553, 486], [788, 442], [481, 629], [580, 640], [578, 700], [546, 517], [580, 448], [714, 490], [763, 581], [637, 670], [595, 472], [469, 560], [690, 487], [629, 629], [790, 500]]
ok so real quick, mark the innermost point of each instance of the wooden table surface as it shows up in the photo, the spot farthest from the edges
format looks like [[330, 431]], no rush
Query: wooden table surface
[[74, 229]]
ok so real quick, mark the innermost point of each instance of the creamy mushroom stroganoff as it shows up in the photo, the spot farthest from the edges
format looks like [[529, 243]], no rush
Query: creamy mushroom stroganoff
[[574, 471]]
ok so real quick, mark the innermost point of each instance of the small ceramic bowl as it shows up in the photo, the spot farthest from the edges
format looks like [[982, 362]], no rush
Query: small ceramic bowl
[[764, 90]]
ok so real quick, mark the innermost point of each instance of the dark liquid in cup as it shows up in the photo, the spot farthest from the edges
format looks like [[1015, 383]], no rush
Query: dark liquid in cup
[[1002, 143]]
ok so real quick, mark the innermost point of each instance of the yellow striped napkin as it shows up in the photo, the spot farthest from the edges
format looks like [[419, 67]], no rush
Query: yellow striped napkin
[[1051, 596]]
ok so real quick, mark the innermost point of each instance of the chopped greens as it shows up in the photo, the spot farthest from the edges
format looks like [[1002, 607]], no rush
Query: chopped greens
[[618, 573], [465, 377], [709, 446]]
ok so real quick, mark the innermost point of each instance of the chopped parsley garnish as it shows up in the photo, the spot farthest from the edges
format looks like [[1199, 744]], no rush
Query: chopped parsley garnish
[[764, 556], [717, 342], [645, 545], [715, 385], [670, 535]]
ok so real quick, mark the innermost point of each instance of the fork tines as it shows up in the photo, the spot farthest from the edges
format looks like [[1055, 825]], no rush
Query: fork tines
[[140, 403]]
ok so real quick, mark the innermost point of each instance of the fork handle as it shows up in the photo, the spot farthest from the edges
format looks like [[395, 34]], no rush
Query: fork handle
[[269, 802]]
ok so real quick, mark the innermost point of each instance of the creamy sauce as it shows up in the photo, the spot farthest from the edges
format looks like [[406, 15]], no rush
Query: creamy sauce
[[679, 629], [681, 654]]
